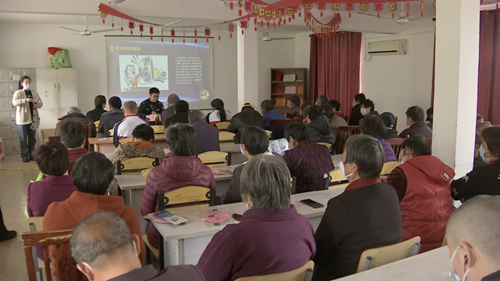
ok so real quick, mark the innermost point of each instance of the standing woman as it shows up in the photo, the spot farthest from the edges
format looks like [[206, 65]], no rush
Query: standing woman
[[27, 118]]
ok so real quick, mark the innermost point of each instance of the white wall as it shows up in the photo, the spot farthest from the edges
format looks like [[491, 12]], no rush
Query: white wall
[[397, 82]]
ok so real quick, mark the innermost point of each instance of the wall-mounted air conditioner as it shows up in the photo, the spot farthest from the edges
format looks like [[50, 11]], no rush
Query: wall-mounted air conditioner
[[394, 47]]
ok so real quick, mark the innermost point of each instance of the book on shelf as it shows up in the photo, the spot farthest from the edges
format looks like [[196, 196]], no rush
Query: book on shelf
[[281, 101], [278, 75], [279, 90], [300, 90]]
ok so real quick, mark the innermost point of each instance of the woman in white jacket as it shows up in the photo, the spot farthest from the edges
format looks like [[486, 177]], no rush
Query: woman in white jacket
[[27, 102]]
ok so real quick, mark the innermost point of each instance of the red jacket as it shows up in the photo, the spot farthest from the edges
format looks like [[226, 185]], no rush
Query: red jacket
[[174, 172], [426, 205]]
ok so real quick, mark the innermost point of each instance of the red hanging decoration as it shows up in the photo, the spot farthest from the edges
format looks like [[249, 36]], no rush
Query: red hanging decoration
[[240, 3], [349, 7], [261, 23], [103, 16], [112, 21], [122, 26], [195, 36], [141, 28], [207, 32], [172, 34], [131, 25], [231, 5], [363, 7], [255, 22], [321, 8], [393, 7], [161, 29], [151, 31], [300, 9], [230, 27], [243, 26], [422, 9], [183, 36], [378, 7], [248, 7], [434, 4], [336, 7], [408, 9], [219, 32]]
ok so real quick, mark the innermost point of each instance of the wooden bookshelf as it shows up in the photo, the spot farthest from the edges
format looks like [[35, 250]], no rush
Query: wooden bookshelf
[[281, 90]]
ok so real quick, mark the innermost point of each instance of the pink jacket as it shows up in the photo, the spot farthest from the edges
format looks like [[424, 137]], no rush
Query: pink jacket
[[174, 172]]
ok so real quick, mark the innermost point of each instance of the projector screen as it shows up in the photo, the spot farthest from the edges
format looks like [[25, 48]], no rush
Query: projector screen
[[135, 65]]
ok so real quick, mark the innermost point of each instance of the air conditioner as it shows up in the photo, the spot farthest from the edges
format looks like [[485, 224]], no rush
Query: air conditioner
[[395, 47]]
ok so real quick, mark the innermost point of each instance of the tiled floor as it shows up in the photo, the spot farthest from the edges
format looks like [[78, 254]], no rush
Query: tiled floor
[[14, 179]]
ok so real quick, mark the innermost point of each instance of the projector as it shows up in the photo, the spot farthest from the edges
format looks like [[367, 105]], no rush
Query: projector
[[115, 1]]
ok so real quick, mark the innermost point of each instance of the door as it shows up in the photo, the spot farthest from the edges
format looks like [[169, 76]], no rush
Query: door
[[66, 85]]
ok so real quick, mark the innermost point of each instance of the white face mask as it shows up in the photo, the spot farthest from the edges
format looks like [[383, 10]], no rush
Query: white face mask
[[481, 153], [342, 170], [401, 161], [363, 111], [27, 86], [241, 150], [246, 205], [453, 273], [353, 103]]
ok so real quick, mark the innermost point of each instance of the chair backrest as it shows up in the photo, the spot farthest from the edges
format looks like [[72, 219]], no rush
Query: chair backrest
[[186, 196], [226, 136], [278, 127], [158, 129], [32, 224], [96, 123], [55, 138], [88, 129], [222, 126], [136, 163], [44, 239], [333, 176], [303, 273], [126, 140], [396, 144], [269, 134], [396, 122], [430, 141], [388, 167], [329, 146], [294, 185], [379, 256], [46, 133], [343, 134], [215, 158], [111, 132]]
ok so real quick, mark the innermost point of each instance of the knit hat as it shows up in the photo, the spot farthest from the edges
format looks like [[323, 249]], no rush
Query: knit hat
[[173, 99], [247, 104], [388, 118]]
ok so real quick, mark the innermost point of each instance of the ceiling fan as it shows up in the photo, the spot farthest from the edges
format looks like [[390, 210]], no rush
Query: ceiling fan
[[86, 31], [402, 19], [267, 38]]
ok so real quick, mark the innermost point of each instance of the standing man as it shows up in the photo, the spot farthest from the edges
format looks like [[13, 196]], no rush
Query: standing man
[[151, 105], [100, 104], [27, 118]]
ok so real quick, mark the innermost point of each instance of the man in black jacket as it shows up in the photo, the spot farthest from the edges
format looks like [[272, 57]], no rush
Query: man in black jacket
[[356, 115], [152, 105], [74, 114], [100, 104], [109, 119], [248, 116], [318, 125]]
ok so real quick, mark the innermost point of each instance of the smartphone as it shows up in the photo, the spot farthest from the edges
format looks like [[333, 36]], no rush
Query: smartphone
[[311, 203]]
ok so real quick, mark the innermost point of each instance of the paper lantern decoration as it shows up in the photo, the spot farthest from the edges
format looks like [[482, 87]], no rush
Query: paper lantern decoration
[[336, 7], [240, 3], [308, 6], [161, 30], [321, 8], [299, 7], [393, 7], [363, 7], [349, 7], [151, 31], [172, 34], [231, 6], [207, 33], [112, 21], [195, 36], [103, 17], [230, 27], [378, 7], [131, 25], [422, 9], [434, 4], [262, 13], [255, 23], [408, 9], [256, 10], [243, 25], [122, 26], [269, 15], [248, 7], [141, 29]]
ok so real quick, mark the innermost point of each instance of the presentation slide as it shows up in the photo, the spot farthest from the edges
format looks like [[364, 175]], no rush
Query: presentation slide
[[135, 65]]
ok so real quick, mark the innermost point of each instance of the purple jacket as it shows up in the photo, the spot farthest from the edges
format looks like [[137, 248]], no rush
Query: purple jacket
[[42, 193], [388, 151], [264, 242]]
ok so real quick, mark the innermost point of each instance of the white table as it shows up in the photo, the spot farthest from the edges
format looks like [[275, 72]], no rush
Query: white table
[[184, 244], [431, 266]]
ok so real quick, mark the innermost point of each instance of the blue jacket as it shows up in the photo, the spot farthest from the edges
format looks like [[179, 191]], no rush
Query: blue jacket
[[271, 114]]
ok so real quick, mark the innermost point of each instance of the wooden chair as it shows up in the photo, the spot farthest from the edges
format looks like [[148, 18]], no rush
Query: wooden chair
[[329, 146], [343, 134], [55, 138], [111, 132], [125, 140], [333, 176], [278, 127], [430, 141], [97, 123], [375, 257], [46, 133], [396, 144], [269, 134], [179, 198], [33, 224], [215, 158], [45, 239], [136, 163], [303, 273], [388, 167], [222, 126], [226, 136], [158, 129]]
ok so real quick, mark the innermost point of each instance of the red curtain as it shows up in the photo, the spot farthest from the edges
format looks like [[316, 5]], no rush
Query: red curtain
[[488, 104], [334, 68]]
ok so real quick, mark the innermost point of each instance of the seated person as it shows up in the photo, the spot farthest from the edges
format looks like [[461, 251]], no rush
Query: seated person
[[151, 105], [356, 115], [124, 128], [247, 117], [307, 161], [293, 103], [415, 119], [140, 146], [74, 114], [271, 237], [104, 249], [368, 108], [334, 120], [218, 114], [373, 126], [53, 160], [73, 136], [472, 240], [335, 104], [100, 104], [365, 216], [207, 136], [182, 168], [303, 107], [269, 113], [480, 126], [181, 114], [253, 142], [322, 99], [422, 183], [113, 116], [485, 179], [390, 123], [92, 174], [430, 116], [318, 125], [169, 111]]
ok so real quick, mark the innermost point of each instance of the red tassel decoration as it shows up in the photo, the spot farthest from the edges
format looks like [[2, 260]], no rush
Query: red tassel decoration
[[184, 36], [231, 6], [141, 29], [172, 34], [151, 31], [195, 36], [112, 21]]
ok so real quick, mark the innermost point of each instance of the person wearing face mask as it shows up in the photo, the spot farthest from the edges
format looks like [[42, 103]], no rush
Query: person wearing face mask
[[472, 240], [365, 216], [322, 99], [484, 179], [271, 237], [27, 102], [368, 108], [254, 141], [422, 183], [356, 109]]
